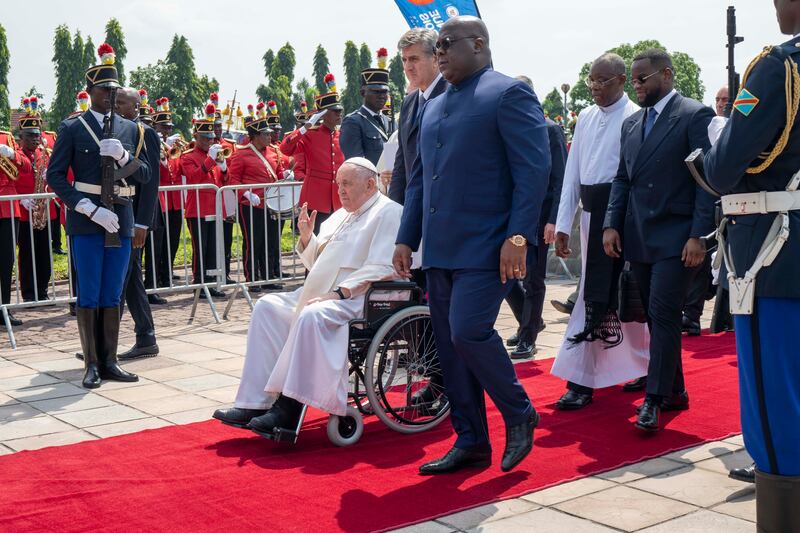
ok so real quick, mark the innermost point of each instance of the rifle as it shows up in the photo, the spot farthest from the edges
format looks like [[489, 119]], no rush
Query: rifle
[[107, 164], [733, 76]]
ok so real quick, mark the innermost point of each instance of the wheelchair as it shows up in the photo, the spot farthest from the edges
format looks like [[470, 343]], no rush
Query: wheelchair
[[392, 354]]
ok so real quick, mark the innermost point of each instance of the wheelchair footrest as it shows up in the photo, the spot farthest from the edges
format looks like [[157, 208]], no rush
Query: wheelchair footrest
[[280, 435]]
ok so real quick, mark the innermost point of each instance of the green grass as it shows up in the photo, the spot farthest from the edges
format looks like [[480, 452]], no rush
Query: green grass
[[60, 264]]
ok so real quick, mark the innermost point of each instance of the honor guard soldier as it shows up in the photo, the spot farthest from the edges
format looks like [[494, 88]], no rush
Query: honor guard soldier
[[319, 144], [203, 164], [754, 165], [35, 215], [171, 201], [11, 162], [365, 130], [298, 160], [278, 158], [229, 217], [145, 111], [82, 146]]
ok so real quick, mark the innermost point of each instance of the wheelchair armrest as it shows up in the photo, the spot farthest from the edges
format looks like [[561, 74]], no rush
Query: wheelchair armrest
[[393, 285]]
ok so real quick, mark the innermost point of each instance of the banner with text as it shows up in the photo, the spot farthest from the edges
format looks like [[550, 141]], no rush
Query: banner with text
[[432, 14]]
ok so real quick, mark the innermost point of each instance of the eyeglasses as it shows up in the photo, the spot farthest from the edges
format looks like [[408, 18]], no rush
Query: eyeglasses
[[597, 84], [445, 44], [641, 79]]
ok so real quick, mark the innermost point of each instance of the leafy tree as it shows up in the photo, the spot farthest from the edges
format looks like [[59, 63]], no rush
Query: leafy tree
[[351, 96], [5, 63], [63, 61], [284, 64], [553, 104], [79, 66], [279, 90], [364, 56], [116, 39], [687, 74], [268, 58], [321, 67], [88, 58], [303, 91], [158, 79], [397, 82], [187, 94]]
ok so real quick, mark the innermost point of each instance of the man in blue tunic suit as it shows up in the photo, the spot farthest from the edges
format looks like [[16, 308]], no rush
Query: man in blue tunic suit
[[755, 165], [100, 270], [473, 201]]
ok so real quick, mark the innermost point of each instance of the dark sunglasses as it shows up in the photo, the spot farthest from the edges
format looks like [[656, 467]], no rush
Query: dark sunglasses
[[445, 44], [639, 80]]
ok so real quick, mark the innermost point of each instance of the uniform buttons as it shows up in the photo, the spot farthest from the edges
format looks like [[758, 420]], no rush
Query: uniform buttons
[[650, 185], [435, 177], [652, 212], [438, 145], [445, 115], [433, 209]]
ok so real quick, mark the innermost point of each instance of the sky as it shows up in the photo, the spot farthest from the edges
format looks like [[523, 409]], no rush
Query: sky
[[547, 40]]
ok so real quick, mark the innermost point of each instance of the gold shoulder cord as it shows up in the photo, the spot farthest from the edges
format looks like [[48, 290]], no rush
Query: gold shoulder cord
[[141, 140], [792, 91]]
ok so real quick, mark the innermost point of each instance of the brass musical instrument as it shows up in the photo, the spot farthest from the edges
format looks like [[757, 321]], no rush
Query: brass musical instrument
[[224, 154], [38, 211], [177, 149], [6, 164]]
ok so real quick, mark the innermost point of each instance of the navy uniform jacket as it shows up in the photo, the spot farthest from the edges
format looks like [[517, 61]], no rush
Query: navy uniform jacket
[[146, 199], [481, 173], [407, 132], [743, 140], [360, 135], [655, 204], [558, 163], [76, 149]]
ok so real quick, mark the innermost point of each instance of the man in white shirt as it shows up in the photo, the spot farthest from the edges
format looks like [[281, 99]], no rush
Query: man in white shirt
[[297, 341], [597, 350]]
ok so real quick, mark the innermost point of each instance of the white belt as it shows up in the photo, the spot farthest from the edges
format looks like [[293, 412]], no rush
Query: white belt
[[95, 189], [755, 203]]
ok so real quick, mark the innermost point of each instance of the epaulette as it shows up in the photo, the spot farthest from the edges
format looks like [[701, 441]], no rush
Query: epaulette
[[241, 146], [190, 150]]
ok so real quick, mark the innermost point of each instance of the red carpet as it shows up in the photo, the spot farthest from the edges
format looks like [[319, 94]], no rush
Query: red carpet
[[209, 477]]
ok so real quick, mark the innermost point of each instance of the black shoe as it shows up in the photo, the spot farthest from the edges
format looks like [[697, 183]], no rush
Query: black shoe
[[746, 474], [676, 402], [139, 352], [455, 460], [107, 347], [524, 350], [563, 307], [572, 400], [284, 414], [236, 417], [213, 292], [513, 340], [272, 286], [519, 442], [648, 415], [155, 299], [13, 321], [88, 332], [636, 385], [690, 327], [72, 311], [255, 289]]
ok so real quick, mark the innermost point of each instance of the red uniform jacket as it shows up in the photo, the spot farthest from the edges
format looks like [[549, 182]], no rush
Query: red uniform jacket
[[199, 168], [246, 167], [26, 182], [299, 159], [323, 157], [169, 173]]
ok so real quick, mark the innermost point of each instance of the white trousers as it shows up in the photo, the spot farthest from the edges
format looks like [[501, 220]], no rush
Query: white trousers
[[301, 356]]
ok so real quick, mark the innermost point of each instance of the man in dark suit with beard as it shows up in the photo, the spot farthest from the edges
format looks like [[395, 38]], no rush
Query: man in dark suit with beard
[[659, 213]]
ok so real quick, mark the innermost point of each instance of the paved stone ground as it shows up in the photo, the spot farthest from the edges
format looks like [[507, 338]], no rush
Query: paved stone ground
[[42, 404]]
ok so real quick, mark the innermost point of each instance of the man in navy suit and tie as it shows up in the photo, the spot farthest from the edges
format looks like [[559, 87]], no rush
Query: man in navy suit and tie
[[474, 205], [657, 214]]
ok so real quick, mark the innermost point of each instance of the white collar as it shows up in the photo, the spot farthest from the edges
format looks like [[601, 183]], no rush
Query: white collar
[[616, 106], [426, 94], [99, 117], [661, 104]]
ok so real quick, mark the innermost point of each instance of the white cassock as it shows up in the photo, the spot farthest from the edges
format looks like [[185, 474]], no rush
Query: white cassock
[[300, 350], [593, 159]]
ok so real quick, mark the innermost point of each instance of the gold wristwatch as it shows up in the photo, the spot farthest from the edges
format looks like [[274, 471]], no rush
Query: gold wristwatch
[[518, 240]]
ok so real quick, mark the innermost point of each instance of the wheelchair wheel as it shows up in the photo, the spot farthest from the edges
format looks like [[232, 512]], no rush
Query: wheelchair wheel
[[400, 361], [346, 430]]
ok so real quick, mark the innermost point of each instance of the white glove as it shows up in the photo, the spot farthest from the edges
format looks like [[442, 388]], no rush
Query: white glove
[[214, 150], [254, 199], [7, 151], [172, 138], [27, 203], [112, 148], [312, 121], [102, 216], [44, 142], [223, 166], [288, 175]]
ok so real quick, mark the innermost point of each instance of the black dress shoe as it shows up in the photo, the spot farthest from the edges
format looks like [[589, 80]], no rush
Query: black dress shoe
[[563, 307], [255, 289], [636, 385], [213, 292], [676, 402], [648, 415], [456, 459], [426, 395], [513, 340], [573, 400], [272, 286], [12, 320], [139, 352], [519, 442], [524, 350], [690, 327], [236, 417], [155, 299], [746, 474], [284, 414]]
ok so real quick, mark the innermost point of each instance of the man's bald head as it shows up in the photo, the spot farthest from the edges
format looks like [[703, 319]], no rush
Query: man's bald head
[[614, 61], [463, 48], [128, 102], [471, 25]]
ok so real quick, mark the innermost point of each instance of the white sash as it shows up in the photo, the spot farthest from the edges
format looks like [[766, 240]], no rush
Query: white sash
[[371, 123], [264, 160]]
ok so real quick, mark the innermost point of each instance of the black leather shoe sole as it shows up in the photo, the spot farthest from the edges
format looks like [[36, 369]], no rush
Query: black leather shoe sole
[[139, 353], [512, 341], [473, 463], [634, 386], [523, 354], [646, 427], [572, 406], [561, 307], [734, 474]]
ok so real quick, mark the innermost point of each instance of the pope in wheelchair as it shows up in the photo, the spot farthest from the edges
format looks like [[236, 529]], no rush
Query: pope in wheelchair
[[299, 343]]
